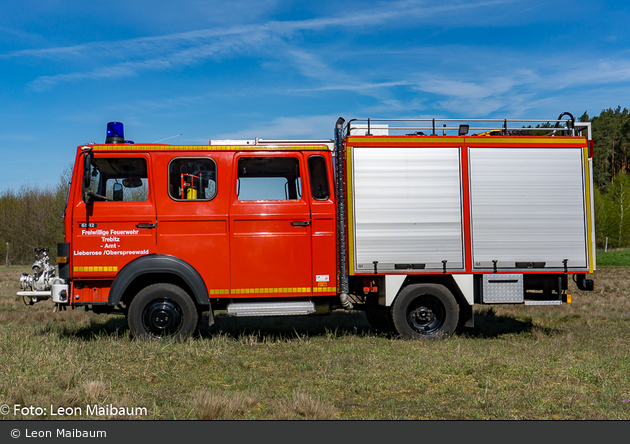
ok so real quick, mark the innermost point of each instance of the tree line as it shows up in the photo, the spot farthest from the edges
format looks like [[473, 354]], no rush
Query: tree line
[[611, 176], [30, 216]]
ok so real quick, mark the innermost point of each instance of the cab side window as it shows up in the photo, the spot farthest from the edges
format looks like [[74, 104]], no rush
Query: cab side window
[[118, 180], [268, 178], [319, 178], [192, 178]]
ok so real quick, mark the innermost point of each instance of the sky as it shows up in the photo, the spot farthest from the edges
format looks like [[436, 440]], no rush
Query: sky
[[274, 69]]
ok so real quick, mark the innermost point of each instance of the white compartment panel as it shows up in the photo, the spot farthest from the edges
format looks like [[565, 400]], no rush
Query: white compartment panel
[[528, 205], [407, 208]]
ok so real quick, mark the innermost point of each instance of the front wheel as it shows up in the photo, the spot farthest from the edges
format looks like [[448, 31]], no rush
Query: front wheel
[[425, 311], [162, 311]]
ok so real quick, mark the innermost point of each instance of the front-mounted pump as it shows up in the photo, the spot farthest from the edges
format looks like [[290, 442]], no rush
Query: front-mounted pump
[[43, 284]]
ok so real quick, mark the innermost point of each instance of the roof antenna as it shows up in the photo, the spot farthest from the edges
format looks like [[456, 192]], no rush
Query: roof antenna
[[162, 140]]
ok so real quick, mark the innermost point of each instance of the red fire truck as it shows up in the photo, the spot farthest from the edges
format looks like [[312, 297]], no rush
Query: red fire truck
[[412, 221]]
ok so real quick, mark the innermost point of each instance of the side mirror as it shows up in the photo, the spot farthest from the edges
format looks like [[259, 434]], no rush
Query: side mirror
[[87, 169], [87, 174], [118, 192]]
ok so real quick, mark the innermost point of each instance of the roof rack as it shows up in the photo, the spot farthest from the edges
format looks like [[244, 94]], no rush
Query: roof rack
[[461, 127]]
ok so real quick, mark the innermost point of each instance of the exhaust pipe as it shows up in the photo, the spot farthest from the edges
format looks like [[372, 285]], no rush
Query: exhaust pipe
[[341, 215]]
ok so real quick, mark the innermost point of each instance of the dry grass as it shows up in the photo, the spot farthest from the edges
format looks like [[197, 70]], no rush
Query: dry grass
[[228, 406], [223, 406], [304, 406], [94, 390]]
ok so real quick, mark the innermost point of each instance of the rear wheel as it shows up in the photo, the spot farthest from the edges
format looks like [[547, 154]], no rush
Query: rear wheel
[[162, 311], [425, 311]]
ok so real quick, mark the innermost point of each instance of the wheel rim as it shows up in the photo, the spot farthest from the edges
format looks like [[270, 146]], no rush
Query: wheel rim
[[426, 314], [162, 318]]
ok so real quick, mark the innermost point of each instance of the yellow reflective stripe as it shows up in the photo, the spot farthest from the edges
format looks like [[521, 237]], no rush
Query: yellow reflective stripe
[[587, 196], [492, 140], [96, 269], [350, 207], [403, 140], [324, 289], [282, 290], [488, 140]]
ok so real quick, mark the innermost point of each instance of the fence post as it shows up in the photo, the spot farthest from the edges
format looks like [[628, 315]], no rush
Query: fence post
[[606, 246], [7, 261]]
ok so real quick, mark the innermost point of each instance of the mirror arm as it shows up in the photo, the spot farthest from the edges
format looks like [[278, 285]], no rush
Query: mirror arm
[[91, 194]]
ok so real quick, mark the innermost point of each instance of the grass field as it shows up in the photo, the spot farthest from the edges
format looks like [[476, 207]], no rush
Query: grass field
[[613, 258], [557, 362]]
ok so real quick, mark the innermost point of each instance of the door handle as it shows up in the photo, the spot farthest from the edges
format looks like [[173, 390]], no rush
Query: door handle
[[143, 225], [300, 223]]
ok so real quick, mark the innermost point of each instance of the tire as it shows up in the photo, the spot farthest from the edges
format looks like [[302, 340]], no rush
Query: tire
[[162, 311], [425, 311]]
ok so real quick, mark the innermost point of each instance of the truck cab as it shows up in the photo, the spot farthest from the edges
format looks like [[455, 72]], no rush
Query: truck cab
[[220, 224]]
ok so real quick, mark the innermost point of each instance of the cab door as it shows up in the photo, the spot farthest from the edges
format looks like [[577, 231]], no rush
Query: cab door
[[270, 227], [115, 221], [323, 223]]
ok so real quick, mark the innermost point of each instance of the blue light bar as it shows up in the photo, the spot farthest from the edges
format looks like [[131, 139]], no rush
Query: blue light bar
[[115, 133]]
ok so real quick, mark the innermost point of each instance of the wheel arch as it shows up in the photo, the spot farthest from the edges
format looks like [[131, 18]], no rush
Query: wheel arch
[[466, 316], [150, 269], [444, 280]]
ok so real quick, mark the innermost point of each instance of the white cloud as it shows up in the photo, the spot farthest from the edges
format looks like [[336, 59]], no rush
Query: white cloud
[[175, 50], [451, 78]]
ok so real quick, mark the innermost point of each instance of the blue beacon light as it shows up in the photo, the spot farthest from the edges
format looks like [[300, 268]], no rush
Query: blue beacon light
[[116, 133]]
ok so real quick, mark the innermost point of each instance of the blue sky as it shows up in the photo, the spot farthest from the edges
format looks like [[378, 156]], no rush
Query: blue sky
[[288, 69]]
